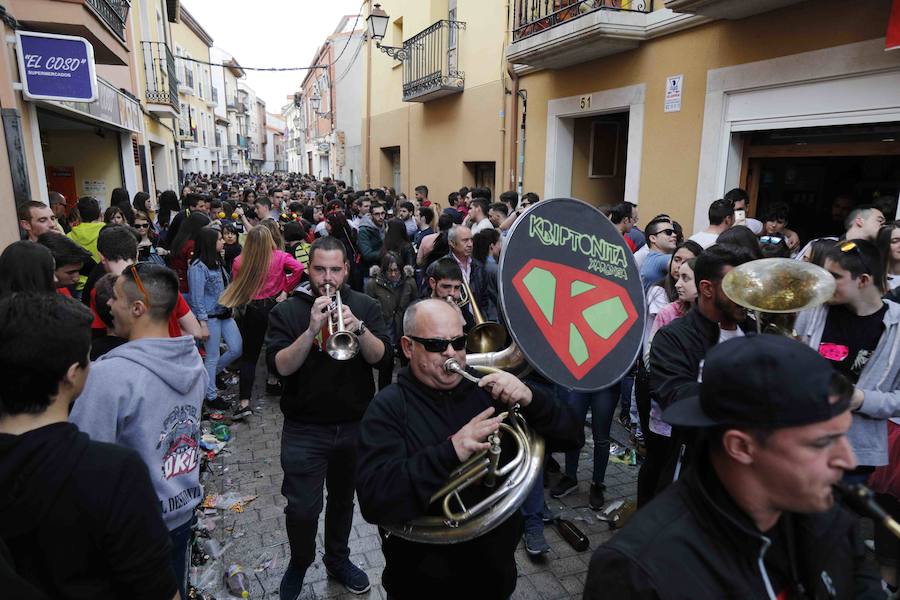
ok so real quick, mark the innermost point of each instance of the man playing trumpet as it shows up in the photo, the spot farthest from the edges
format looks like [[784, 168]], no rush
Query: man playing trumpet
[[323, 401], [417, 431]]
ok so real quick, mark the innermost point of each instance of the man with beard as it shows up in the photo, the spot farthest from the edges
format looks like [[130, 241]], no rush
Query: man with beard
[[679, 349], [754, 516], [323, 402]]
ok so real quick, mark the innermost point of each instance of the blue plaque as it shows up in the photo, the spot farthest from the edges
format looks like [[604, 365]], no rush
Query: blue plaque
[[56, 67]]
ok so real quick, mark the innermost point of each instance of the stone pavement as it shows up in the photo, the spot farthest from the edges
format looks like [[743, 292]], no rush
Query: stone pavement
[[250, 466]]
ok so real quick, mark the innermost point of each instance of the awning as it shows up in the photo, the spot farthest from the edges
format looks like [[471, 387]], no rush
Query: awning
[[112, 108]]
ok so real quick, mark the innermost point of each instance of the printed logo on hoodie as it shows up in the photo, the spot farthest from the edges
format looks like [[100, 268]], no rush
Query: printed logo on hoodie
[[179, 440]]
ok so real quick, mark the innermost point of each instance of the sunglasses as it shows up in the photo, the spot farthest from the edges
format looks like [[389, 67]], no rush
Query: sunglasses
[[140, 285], [665, 231], [440, 344], [771, 239], [142, 225], [852, 247]]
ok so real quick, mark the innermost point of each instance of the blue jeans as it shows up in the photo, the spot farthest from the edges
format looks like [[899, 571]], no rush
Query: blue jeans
[[219, 329], [533, 508], [313, 455], [602, 405], [181, 540]]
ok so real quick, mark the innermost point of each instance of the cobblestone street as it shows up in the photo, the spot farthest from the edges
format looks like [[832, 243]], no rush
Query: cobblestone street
[[250, 466]]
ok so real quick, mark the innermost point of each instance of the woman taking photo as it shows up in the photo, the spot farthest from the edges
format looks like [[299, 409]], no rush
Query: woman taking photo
[[147, 249], [208, 278], [262, 276]]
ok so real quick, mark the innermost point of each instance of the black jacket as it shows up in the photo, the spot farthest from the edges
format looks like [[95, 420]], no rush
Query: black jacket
[[405, 456], [79, 519], [676, 354], [325, 390], [694, 542], [484, 289]]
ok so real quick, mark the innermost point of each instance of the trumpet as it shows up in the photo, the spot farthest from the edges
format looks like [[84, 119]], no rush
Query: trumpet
[[341, 344], [485, 336]]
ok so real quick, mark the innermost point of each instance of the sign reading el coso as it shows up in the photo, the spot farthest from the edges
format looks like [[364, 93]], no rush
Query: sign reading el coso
[[56, 67]]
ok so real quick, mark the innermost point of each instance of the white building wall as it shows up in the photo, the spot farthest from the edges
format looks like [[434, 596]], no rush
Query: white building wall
[[348, 82]]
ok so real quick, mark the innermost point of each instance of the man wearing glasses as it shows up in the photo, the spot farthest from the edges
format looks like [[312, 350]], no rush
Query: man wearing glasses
[[417, 431], [661, 242], [859, 332]]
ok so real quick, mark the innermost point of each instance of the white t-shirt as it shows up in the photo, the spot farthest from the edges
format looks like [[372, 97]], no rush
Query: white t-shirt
[[704, 238], [485, 223], [730, 334], [893, 282], [641, 255], [755, 226]]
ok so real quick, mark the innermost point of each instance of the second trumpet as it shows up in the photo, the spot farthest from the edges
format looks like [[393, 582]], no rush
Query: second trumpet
[[341, 344]]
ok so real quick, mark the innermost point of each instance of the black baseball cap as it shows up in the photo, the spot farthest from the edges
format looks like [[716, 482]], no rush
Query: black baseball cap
[[761, 381]]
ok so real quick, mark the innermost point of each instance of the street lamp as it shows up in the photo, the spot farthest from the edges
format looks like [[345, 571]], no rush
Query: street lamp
[[378, 22], [315, 101]]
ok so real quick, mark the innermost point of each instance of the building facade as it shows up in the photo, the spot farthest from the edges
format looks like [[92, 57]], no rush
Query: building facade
[[671, 103], [225, 75], [276, 159], [435, 99], [74, 148], [196, 102], [294, 118], [158, 90]]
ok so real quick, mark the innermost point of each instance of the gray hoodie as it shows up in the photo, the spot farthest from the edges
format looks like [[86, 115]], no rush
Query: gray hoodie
[[146, 395], [879, 380]]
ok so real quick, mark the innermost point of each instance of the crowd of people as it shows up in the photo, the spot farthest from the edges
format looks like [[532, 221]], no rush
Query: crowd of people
[[120, 330]]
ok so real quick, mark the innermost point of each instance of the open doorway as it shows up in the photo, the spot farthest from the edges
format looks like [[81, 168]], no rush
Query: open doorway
[[822, 173]]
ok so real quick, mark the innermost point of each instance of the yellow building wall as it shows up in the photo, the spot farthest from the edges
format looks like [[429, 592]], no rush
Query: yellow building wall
[[436, 138], [671, 141], [92, 157], [197, 48], [597, 190]]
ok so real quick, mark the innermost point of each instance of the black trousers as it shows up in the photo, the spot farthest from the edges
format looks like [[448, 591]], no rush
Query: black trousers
[[312, 456], [253, 327]]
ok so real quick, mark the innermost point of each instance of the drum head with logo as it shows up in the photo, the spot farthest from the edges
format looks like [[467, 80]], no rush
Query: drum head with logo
[[571, 294]]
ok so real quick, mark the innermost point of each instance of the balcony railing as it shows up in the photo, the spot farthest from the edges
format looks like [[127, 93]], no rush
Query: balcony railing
[[113, 12], [534, 16], [159, 69], [431, 63]]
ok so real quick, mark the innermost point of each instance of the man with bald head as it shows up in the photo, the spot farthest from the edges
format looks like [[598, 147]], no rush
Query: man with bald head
[[417, 431]]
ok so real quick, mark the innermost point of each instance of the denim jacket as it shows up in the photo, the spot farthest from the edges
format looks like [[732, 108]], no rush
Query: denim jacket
[[206, 286]]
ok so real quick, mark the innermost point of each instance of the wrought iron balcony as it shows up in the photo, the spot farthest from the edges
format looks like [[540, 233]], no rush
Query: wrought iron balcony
[[112, 12], [431, 63], [162, 83], [535, 16]]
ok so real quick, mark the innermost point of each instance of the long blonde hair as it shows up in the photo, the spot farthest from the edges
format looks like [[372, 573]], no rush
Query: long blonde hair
[[255, 259], [275, 230]]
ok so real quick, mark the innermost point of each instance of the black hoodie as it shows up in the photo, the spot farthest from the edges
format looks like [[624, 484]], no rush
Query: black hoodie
[[405, 456], [80, 518]]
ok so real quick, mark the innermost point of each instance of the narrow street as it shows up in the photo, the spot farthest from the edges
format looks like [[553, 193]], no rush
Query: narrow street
[[249, 466]]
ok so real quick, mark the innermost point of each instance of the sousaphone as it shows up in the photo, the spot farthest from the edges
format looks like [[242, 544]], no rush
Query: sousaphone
[[573, 303]]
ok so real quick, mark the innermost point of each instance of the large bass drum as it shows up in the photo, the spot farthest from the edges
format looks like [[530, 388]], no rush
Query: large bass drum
[[571, 296]]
